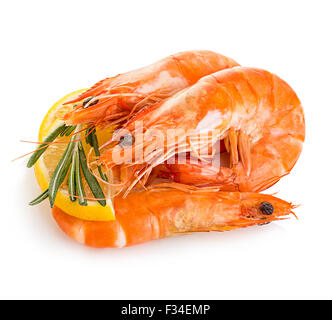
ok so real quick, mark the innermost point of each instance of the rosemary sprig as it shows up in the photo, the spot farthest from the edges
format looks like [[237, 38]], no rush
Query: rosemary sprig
[[72, 179], [75, 184], [79, 184], [90, 178], [73, 158], [60, 171], [42, 147], [40, 198]]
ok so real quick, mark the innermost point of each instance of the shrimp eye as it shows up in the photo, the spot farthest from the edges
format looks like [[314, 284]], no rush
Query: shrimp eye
[[85, 102], [126, 140], [266, 208]]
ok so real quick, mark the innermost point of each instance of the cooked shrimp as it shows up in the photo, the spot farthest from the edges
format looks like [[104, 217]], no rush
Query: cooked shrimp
[[257, 115], [155, 214], [116, 98], [200, 172]]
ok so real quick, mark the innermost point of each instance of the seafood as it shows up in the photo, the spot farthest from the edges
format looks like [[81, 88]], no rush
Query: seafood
[[197, 137], [200, 172], [257, 115], [167, 212], [116, 98]]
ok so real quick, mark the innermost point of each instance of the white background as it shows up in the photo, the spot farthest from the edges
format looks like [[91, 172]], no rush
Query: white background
[[49, 49]]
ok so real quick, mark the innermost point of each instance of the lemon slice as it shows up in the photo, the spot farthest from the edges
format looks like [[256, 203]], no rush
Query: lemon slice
[[46, 164]]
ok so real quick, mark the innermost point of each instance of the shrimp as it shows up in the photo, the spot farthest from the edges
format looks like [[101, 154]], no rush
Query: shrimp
[[257, 116], [117, 98], [199, 172], [167, 212]]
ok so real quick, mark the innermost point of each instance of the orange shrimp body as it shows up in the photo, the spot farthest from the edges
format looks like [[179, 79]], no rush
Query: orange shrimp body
[[115, 98], [200, 173], [167, 212], [257, 115]]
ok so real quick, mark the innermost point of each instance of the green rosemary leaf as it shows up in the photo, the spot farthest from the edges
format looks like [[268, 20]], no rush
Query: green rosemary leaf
[[40, 198], [60, 171], [91, 180], [101, 173], [95, 146], [64, 131], [71, 178], [51, 137], [70, 130], [88, 136], [79, 183]]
